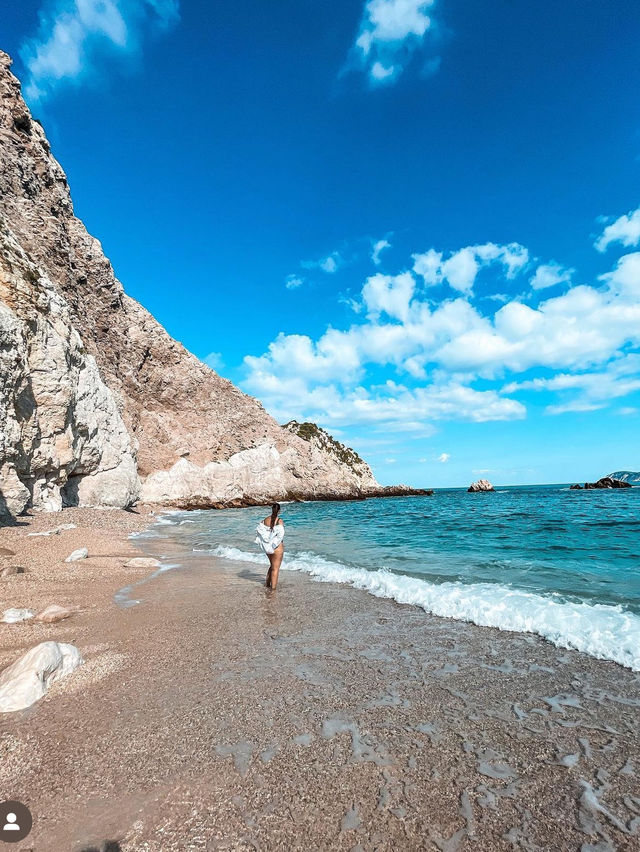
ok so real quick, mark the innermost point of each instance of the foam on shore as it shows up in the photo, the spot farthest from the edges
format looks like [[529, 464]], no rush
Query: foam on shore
[[603, 631]]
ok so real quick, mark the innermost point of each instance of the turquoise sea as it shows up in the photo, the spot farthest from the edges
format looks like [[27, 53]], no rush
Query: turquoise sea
[[563, 564]]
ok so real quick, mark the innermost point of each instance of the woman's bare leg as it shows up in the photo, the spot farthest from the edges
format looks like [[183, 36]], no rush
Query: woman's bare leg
[[276, 562], [269, 572]]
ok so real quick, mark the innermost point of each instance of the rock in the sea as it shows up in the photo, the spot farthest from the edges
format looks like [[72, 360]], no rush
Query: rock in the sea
[[142, 562], [52, 614], [80, 553], [481, 485], [27, 680], [576, 488], [14, 615], [607, 482]]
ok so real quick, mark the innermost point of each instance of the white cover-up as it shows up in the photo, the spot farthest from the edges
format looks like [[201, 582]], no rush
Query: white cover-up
[[268, 538]]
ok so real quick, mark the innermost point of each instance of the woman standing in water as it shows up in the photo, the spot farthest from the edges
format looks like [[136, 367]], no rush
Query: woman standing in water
[[270, 537]]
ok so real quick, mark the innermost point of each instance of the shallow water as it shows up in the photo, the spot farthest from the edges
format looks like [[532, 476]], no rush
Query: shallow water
[[546, 560]]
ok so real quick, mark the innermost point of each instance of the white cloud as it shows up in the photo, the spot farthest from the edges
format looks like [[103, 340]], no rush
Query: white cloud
[[587, 391], [378, 248], [75, 35], [390, 294], [292, 282], [329, 264], [392, 404], [408, 361], [390, 31], [625, 230], [550, 274], [444, 457], [461, 268]]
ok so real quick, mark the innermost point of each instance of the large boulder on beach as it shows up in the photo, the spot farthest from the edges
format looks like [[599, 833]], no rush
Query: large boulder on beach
[[480, 485], [27, 680]]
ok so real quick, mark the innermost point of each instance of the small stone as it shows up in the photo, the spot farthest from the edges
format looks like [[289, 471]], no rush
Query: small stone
[[55, 531], [14, 615], [52, 614], [142, 562], [11, 571], [81, 553]]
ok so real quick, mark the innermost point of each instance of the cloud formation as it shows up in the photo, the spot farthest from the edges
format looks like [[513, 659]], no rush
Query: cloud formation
[[625, 230], [409, 360], [550, 274], [378, 247], [76, 36], [461, 267], [329, 264], [390, 32]]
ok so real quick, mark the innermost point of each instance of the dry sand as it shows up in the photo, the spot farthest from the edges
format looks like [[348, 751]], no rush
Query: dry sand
[[215, 715]]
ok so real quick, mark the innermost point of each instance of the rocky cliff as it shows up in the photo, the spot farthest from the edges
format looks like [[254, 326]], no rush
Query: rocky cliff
[[92, 385]]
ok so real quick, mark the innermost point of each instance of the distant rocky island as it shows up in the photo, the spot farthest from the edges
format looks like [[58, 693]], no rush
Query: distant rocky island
[[614, 480], [99, 406], [482, 485]]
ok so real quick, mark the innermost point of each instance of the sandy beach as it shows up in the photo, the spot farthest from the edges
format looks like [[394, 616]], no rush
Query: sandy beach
[[214, 715]]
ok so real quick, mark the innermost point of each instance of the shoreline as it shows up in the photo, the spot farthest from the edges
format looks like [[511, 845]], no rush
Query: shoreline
[[215, 715]]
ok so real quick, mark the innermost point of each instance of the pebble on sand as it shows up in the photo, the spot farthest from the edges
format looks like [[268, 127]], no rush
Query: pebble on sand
[[55, 531], [13, 615], [81, 553], [11, 571], [142, 562], [52, 614]]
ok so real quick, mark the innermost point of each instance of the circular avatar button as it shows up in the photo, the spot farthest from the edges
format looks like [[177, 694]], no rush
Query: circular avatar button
[[15, 822]]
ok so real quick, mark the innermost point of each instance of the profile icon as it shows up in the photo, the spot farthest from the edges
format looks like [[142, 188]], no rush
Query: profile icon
[[12, 823], [15, 821]]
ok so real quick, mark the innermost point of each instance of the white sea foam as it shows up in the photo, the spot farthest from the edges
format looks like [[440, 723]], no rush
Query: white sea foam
[[603, 631]]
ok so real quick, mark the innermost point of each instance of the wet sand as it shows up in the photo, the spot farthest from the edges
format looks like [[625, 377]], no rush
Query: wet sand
[[318, 717]]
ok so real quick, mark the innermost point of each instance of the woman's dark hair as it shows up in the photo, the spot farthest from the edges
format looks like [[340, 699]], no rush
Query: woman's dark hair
[[275, 511]]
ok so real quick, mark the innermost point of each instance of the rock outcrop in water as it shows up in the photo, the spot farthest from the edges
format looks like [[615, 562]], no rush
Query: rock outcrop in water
[[605, 482], [97, 402], [480, 485]]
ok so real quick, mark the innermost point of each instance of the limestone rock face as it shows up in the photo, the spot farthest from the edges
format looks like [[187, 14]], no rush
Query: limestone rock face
[[28, 679], [62, 439], [94, 391]]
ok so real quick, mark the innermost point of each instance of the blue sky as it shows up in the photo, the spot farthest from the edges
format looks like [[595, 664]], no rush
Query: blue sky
[[416, 223]]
